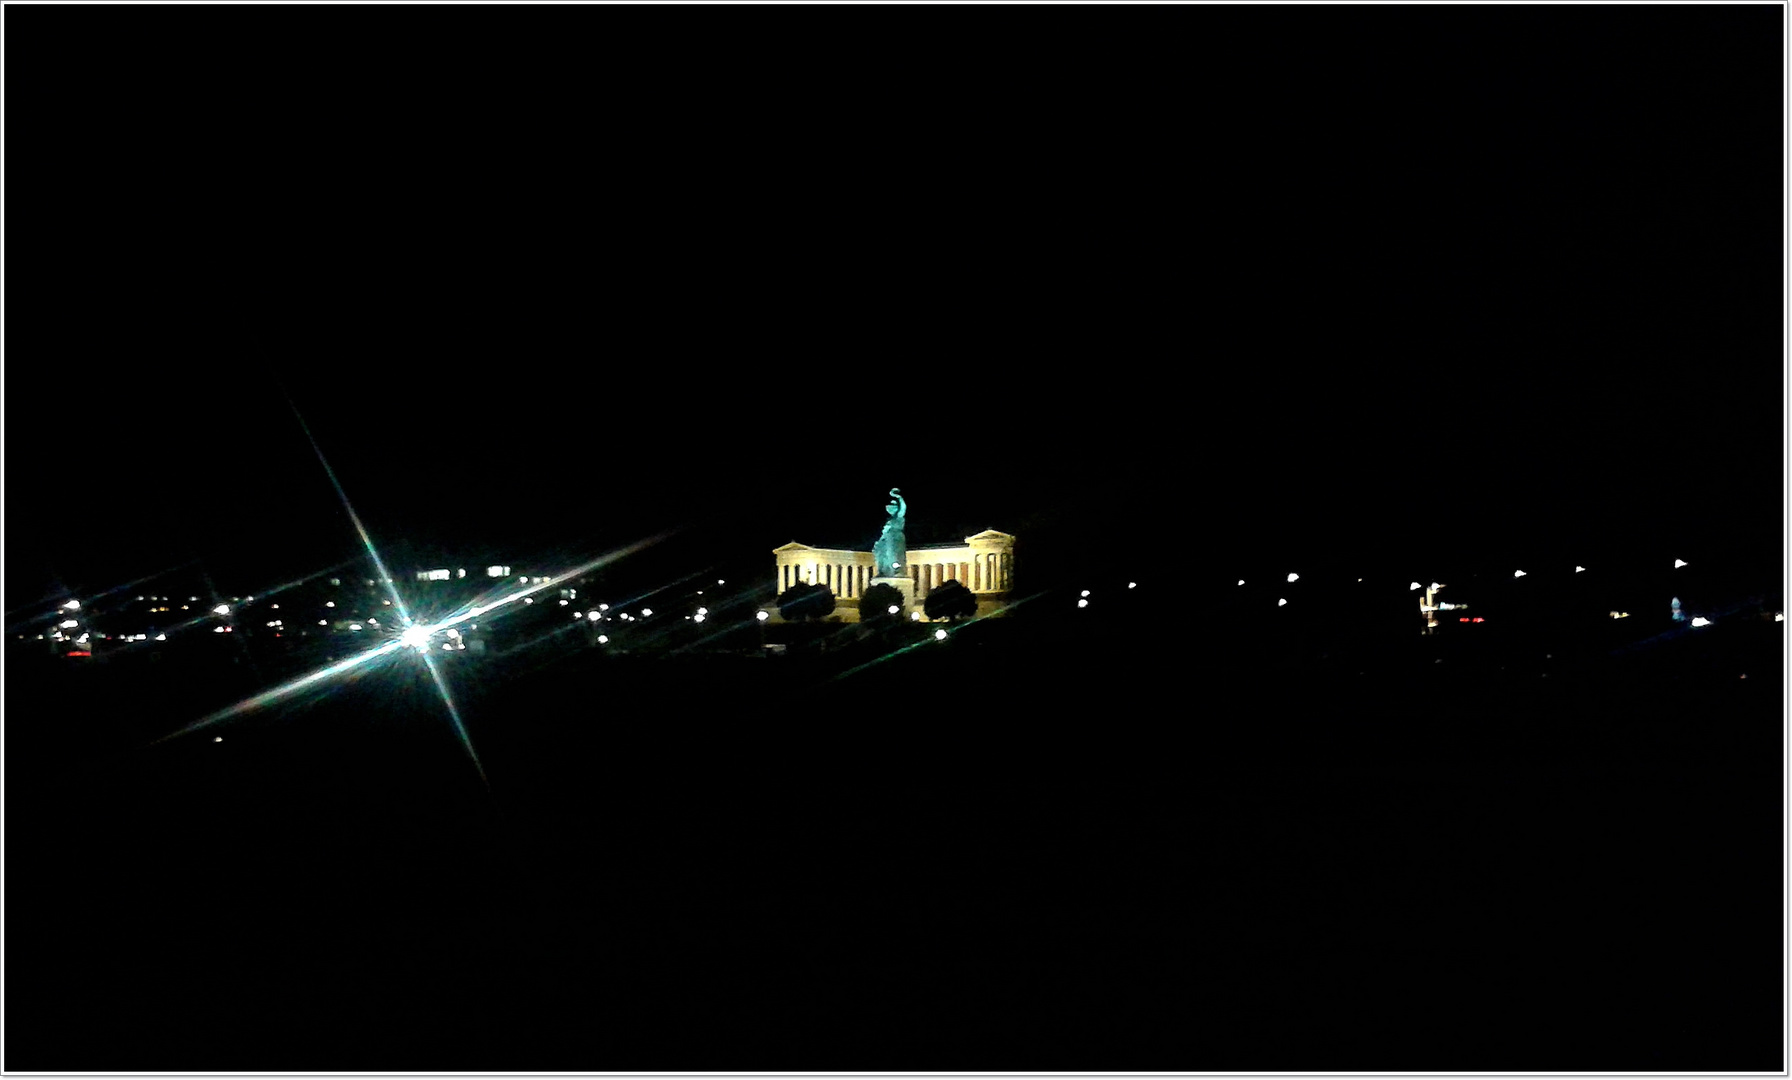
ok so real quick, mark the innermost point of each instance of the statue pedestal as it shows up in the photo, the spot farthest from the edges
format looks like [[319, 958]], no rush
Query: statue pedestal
[[903, 585]]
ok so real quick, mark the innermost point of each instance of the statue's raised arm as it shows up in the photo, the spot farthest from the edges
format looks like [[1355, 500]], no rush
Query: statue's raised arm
[[901, 503]]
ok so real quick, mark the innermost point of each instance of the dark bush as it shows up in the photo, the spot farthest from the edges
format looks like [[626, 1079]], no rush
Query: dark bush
[[950, 600], [806, 601], [875, 604]]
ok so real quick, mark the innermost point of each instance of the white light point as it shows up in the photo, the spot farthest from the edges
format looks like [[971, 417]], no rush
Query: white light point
[[647, 613], [1292, 578], [593, 616], [719, 581], [66, 623], [939, 635], [75, 605], [1579, 569], [1241, 581], [1085, 592], [1281, 603], [161, 637], [762, 615], [602, 639], [1517, 573], [416, 637], [221, 609], [914, 616], [894, 609], [1132, 584], [1082, 603], [1678, 563], [697, 618], [703, 611], [1779, 616], [1415, 586], [1701, 620]]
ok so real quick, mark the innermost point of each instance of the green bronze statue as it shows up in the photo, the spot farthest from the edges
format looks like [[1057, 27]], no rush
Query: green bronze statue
[[891, 551]]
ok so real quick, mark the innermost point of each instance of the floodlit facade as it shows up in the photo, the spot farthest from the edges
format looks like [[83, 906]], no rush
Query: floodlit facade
[[984, 563]]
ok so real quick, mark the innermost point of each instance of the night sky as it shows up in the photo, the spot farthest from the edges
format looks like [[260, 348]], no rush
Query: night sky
[[1378, 283]]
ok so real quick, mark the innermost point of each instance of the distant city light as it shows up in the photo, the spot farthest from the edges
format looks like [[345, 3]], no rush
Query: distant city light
[[593, 616], [894, 609], [323, 622], [66, 623], [1579, 569], [697, 618], [1518, 573], [603, 607], [1132, 584], [497, 571], [74, 605], [602, 639], [719, 581], [647, 613], [1678, 563], [1620, 614], [1416, 585], [1241, 581], [1085, 592], [1700, 620], [1779, 617], [577, 615], [703, 611], [1479, 619], [220, 629], [1435, 586], [416, 637], [1082, 603], [939, 635], [354, 626], [161, 637], [914, 616], [562, 603], [525, 581], [762, 616], [1281, 603], [221, 609], [1292, 578], [329, 603]]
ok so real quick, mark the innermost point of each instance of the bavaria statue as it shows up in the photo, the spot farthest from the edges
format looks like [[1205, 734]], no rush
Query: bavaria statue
[[891, 551]]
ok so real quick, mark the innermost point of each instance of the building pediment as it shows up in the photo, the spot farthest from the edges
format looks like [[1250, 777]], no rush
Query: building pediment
[[792, 546], [990, 534]]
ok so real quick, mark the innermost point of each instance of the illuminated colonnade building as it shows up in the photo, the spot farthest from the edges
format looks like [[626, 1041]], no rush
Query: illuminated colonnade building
[[984, 563]]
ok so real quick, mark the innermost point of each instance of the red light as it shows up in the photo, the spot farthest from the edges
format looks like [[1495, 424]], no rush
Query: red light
[[1479, 619], [80, 653], [1463, 619]]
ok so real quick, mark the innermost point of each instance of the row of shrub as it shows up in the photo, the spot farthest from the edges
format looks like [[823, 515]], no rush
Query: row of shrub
[[950, 600]]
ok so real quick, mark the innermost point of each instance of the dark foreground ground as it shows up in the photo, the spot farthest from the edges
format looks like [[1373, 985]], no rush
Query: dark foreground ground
[[1040, 847]]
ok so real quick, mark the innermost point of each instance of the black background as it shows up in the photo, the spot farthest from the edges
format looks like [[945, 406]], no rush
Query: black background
[[1380, 285]]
